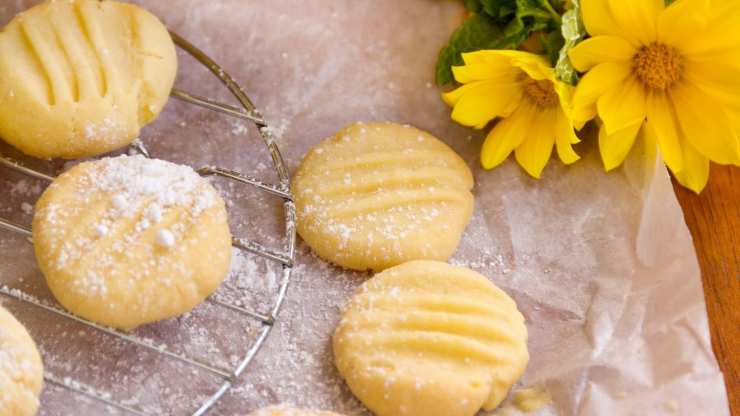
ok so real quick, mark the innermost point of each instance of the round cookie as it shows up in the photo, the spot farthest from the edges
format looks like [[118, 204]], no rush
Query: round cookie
[[289, 411], [128, 240], [380, 194], [427, 338], [81, 77], [21, 370]]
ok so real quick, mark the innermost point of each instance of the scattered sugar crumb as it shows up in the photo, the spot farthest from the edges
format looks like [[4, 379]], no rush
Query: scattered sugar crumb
[[531, 399], [26, 208], [165, 238], [671, 406], [101, 230]]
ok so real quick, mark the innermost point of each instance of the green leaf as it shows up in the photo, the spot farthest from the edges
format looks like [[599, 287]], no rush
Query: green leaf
[[476, 33], [539, 13], [573, 31], [474, 6], [559, 5], [501, 11], [553, 43]]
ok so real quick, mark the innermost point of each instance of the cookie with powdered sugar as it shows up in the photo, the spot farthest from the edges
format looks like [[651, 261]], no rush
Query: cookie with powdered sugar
[[21, 370], [128, 240]]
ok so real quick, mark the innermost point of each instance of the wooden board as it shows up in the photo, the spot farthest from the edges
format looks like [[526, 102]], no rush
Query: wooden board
[[714, 221]]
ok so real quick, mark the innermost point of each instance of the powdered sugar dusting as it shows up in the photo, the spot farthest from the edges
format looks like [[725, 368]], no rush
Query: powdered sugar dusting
[[134, 180], [108, 127], [25, 187], [137, 187]]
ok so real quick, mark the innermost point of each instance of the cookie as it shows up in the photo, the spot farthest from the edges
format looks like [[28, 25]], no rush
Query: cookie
[[21, 370], [81, 77], [289, 411], [128, 240], [427, 338], [380, 194]]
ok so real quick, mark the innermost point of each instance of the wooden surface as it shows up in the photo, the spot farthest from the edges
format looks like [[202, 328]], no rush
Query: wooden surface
[[714, 221]]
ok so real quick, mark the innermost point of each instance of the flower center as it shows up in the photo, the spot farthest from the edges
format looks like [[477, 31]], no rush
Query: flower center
[[657, 65], [541, 92]]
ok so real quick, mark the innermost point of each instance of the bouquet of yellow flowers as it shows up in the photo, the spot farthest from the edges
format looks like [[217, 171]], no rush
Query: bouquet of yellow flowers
[[665, 72]]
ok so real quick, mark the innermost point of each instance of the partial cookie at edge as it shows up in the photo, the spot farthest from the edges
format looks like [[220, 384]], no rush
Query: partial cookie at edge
[[290, 411], [80, 78], [21, 369]]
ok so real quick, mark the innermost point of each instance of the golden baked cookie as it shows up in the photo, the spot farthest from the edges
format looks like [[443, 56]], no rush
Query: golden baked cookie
[[81, 77], [21, 370], [427, 338], [289, 411], [379, 194], [128, 240]]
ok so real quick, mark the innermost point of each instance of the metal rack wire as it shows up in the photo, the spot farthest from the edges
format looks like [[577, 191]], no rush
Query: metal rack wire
[[284, 257]]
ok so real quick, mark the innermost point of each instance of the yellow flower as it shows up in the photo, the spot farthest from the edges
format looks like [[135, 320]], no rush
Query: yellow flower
[[670, 73], [520, 88]]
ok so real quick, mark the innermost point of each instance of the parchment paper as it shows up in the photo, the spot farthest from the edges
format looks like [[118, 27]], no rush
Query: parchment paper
[[601, 265]]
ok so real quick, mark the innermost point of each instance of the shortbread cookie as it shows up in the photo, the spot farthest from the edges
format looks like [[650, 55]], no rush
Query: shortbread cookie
[[289, 411], [380, 194], [81, 77], [427, 338], [128, 240], [21, 370]]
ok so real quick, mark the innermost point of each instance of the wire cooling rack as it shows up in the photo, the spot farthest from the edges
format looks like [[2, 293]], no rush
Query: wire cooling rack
[[284, 257]]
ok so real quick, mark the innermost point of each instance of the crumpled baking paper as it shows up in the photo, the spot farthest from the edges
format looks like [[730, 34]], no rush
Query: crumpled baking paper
[[601, 265]]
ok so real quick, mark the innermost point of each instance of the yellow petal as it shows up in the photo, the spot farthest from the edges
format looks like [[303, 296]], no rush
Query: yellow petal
[[662, 120], [615, 147], [719, 72], [481, 71], [708, 30], [695, 173], [488, 55], [622, 106], [478, 103], [565, 94], [534, 65], [706, 125], [506, 136], [637, 19], [564, 137], [681, 21], [647, 140], [718, 81], [599, 49], [598, 19], [574, 139], [485, 56], [534, 152], [593, 85]]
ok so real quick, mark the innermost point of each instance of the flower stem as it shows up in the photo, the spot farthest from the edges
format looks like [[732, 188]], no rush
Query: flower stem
[[555, 15]]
